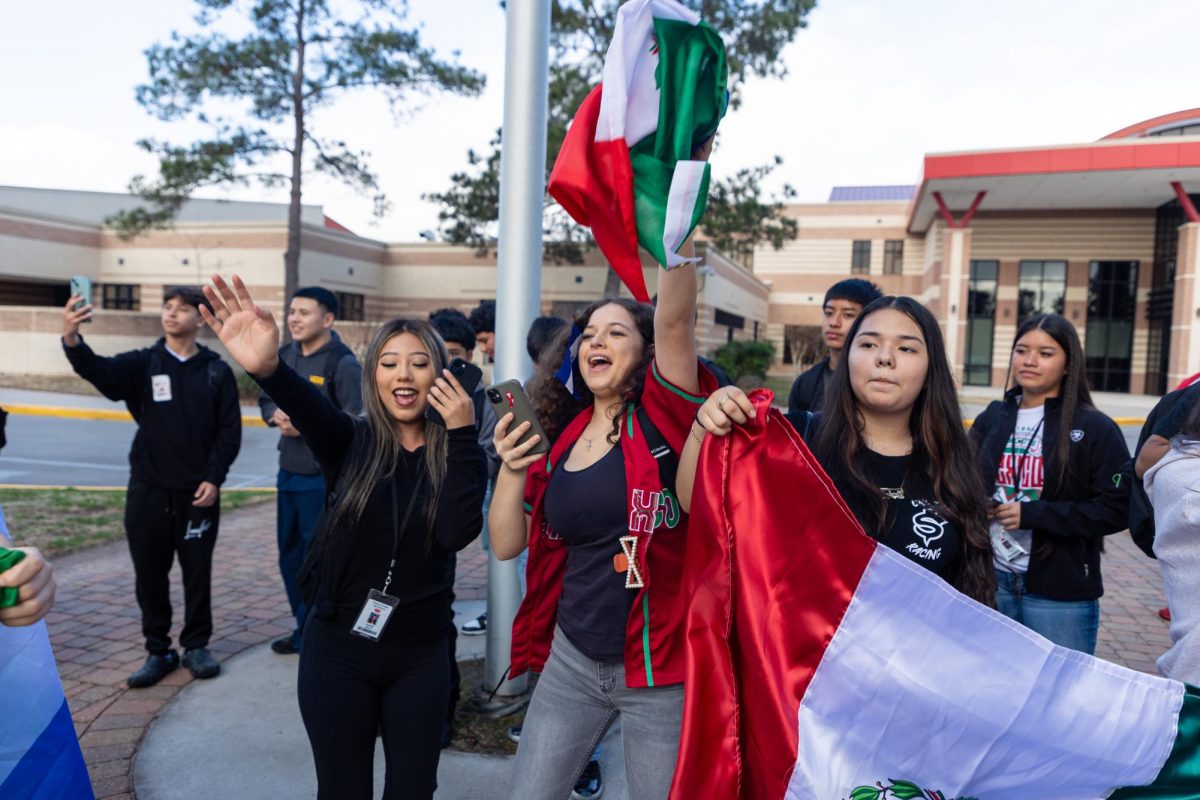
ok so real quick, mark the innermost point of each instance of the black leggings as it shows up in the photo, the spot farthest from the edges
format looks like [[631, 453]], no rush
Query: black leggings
[[350, 688]]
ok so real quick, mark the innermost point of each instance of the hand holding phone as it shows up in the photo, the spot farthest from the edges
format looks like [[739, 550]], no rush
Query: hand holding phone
[[507, 397], [468, 376]]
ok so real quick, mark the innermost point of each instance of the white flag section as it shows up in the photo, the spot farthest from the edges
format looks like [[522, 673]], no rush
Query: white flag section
[[910, 706]]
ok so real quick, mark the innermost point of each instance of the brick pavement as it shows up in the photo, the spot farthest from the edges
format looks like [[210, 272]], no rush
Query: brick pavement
[[96, 631]]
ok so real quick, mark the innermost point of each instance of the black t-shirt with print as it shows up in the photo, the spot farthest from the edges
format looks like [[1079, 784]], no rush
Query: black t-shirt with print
[[914, 527], [587, 509]]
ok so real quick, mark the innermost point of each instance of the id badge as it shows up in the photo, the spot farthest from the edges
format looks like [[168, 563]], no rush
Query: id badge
[[160, 387], [375, 615], [1008, 547]]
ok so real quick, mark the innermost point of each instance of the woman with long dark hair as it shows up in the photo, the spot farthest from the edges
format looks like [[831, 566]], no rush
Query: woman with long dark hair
[[405, 495], [890, 440], [1173, 485], [1053, 465], [603, 614]]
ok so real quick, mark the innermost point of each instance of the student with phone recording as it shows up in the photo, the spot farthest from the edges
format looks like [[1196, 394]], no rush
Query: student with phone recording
[[602, 618], [405, 494], [189, 430]]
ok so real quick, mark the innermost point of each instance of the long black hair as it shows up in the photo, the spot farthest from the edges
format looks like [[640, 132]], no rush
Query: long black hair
[[1073, 392], [551, 401], [942, 457]]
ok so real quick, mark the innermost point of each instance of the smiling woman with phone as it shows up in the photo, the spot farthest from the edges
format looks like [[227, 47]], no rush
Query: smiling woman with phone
[[1054, 466], [603, 616], [406, 494], [883, 438]]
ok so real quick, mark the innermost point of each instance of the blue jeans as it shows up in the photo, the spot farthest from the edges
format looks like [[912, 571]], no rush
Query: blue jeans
[[574, 702], [1069, 623], [301, 501]]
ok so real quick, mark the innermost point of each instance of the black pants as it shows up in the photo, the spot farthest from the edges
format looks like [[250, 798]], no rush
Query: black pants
[[350, 688], [158, 524]]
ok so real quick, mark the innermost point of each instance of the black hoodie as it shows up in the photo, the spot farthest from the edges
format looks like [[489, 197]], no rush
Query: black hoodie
[[189, 422], [1070, 521]]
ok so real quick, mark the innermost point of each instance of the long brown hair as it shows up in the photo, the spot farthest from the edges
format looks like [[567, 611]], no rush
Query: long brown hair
[[941, 453], [552, 402], [383, 446], [1073, 392]]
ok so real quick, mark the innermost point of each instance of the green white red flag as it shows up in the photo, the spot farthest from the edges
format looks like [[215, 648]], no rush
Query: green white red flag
[[824, 666], [625, 168]]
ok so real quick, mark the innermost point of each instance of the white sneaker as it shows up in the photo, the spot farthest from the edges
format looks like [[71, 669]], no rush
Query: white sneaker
[[475, 626]]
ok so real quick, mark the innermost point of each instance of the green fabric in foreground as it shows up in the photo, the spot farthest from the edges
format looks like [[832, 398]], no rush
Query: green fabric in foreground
[[1180, 776], [8, 560]]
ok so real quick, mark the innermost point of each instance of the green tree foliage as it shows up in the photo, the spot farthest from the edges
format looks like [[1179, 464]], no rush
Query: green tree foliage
[[298, 58], [755, 33], [746, 363], [738, 217]]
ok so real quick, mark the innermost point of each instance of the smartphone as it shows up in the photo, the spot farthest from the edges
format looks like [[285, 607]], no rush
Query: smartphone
[[82, 285], [508, 396], [468, 376]]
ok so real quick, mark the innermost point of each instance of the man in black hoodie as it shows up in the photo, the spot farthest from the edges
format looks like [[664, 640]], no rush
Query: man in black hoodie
[[318, 354], [189, 430]]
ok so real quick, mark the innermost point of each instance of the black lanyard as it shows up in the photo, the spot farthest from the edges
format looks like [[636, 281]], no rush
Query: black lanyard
[[397, 524], [1021, 459]]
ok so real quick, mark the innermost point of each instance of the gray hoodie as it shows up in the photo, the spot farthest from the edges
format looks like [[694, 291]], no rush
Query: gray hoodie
[[336, 371], [1173, 485]]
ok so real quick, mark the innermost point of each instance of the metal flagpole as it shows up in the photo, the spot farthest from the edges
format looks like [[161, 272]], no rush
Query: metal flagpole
[[518, 280]]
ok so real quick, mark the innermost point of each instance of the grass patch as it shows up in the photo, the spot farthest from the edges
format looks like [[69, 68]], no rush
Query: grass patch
[[781, 385], [62, 520], [475, 733]]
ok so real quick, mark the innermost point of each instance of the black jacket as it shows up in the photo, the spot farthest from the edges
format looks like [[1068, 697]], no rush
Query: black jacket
[[1070, 521], [342, 565], [337, 373], [808, 390], [185, 440]]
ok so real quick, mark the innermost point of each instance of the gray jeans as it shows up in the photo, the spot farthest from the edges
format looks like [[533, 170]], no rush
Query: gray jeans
[[575, 701]]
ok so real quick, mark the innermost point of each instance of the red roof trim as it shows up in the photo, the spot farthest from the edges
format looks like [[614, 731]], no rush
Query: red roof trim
[[1164, 154], [1155, 122]]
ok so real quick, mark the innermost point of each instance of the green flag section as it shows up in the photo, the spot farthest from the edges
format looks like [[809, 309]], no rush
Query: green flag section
[[822, 665], [8, 560]]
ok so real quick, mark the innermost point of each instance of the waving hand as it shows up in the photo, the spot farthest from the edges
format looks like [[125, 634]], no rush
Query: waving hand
[[248, 332]]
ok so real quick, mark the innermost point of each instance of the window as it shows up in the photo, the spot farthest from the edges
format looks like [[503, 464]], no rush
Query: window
[[981, 323], [121, 297], [860, 258], [350, 307], [1108, 347], [1041, 288], [893, 257]]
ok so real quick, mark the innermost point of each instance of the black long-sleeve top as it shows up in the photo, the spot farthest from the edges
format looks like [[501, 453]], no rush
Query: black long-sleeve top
[[354, 561], [190, 430]]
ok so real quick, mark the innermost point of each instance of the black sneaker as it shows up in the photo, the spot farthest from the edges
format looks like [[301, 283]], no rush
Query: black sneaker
[[589, 786], [514, 734], [475, 626], [285, 646], [157, 667], [201, 664]]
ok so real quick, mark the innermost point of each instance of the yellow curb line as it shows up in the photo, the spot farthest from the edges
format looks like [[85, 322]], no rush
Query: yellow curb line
[[48, 488], [98, 413]]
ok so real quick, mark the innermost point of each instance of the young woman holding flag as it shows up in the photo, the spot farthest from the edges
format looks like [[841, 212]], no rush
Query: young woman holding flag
[[907, 476], [1052, 505]]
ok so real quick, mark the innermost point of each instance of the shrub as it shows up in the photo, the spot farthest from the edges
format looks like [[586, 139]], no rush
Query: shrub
[[746, 362]]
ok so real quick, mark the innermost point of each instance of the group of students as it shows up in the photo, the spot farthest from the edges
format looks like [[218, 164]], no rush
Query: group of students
[[1012, 512]]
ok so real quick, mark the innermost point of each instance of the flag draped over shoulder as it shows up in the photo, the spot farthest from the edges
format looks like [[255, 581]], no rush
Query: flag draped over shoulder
[[625, 167], [824, 666]]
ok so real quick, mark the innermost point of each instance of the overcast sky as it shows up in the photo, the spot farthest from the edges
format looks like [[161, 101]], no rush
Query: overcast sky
[[873, 86]]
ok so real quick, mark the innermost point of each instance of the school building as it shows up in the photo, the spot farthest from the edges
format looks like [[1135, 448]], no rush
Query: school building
[[1106, 233]]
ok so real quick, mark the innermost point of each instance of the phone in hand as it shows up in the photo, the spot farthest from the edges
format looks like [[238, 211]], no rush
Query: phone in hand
[[82, 285], [508, 397], [468, 376]]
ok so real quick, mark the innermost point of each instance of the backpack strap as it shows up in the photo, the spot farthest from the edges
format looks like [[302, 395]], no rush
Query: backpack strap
[[668, 462], [331, 366]]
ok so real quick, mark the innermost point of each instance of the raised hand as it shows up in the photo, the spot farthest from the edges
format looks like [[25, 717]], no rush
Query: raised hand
[[72, 319], [248, 332]]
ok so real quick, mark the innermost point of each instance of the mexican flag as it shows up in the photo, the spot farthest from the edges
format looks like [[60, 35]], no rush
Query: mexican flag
[[625, 167], [824, 666]]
